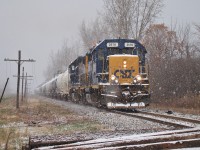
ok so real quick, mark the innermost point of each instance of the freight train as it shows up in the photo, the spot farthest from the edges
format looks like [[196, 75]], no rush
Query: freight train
[[113, 74]]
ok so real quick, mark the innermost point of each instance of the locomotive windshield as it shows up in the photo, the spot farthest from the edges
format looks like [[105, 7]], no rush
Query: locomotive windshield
[[123, 51], [113, 51]]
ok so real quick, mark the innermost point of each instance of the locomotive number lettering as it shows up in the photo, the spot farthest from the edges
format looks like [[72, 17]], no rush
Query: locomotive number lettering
[[129, 44], [123, 73], [113, 44]]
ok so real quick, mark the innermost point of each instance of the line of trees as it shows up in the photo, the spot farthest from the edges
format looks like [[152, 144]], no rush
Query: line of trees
[[59, 60], [173, 53], [174, 61]]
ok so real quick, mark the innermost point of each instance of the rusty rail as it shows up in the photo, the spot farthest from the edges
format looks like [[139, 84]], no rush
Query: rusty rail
[[160, 140], [171, 117], [149, 118]]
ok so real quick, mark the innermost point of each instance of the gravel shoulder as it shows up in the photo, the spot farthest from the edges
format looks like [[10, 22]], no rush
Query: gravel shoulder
[[116, 124]]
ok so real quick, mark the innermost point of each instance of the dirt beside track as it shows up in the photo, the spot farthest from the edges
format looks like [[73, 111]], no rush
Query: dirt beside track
[[46, 119]]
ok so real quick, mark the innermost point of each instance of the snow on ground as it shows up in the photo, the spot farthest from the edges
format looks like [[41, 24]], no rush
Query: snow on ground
[[190, 116], [117, 124]]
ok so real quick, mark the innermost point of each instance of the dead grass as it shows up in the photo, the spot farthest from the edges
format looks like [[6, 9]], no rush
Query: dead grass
[[187, 105], [37, 117]]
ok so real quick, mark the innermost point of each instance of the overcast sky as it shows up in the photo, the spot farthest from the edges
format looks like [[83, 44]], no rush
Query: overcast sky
[[37, 27]]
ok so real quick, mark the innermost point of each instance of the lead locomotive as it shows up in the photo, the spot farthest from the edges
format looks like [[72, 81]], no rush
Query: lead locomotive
[[113, 74]]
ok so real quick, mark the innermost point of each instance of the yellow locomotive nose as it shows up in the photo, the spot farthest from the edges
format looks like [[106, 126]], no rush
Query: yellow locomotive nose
[[123, 68]]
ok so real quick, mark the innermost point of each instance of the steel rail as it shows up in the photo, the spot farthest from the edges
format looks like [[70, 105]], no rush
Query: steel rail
[[171, 117], [178, 125], [160, 140]]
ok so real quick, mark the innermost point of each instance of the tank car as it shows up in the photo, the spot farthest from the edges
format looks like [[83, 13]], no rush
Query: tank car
[[113, 74], [62, 89], [48, 88]]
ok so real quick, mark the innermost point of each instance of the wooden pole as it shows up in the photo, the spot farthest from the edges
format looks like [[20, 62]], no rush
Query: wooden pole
[[22, 84], [19, 62], [25, 89], [18, 78], [4, 89]]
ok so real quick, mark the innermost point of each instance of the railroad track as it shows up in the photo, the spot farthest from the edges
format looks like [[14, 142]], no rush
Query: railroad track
[[159, 140], [171, 117], [186, 135], [178, 122]]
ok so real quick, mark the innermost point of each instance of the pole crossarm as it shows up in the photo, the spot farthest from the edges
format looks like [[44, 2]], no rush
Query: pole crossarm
[[19, 62], [27, 60], [7, 59], [23, 76]]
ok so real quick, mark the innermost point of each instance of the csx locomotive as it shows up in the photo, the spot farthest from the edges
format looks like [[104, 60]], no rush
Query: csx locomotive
[[112, 74]]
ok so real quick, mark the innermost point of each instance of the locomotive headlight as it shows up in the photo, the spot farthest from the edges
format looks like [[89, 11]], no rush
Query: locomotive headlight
[[116, 81], [138, 77], [124, 62], [112, 77], [124, 66]]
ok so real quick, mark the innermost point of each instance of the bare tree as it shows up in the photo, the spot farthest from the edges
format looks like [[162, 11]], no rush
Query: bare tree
[[130, 18], [93, 32], [86, 35], [173, 65], [162, 46], [60, 60], [197, 27]]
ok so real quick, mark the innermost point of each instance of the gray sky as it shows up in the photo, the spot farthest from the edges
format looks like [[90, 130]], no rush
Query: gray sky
[[182, 11], [37, 27]]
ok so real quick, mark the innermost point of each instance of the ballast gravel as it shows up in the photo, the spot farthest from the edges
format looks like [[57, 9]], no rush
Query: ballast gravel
[[117, 125]]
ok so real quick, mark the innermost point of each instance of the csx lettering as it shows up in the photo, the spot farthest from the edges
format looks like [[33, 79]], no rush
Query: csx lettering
[[123, 73]]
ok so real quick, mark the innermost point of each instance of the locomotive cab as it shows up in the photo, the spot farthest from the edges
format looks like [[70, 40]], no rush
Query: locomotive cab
[[128, 86], [127, 83]]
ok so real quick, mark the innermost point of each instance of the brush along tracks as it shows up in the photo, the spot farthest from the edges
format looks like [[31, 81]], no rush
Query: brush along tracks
[[159, 140]]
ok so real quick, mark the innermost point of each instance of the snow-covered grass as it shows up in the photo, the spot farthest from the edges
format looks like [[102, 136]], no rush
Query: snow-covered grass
[[37, 117]]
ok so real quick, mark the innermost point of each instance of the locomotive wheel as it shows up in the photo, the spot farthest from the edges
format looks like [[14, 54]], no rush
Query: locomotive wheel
[[96, 99], [75, 97], [83, 98], [92, 99], [66, 97], [88, 98]]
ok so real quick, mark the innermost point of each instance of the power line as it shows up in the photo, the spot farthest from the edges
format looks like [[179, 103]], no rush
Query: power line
[[23, 77], [19, 62]]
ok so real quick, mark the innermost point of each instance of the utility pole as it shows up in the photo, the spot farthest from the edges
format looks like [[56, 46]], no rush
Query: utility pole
[[22, 84], [4, 89], [23, 77], [19, 62], [25, 87]]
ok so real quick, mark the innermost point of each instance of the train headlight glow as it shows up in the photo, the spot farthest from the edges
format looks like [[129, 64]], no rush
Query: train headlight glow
[[124, 62], [116, 81], [138, 77], [124, 66], [112, 77]]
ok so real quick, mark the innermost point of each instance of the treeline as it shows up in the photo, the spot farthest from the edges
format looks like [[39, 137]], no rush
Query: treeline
[[174, 60], [173, 53]]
